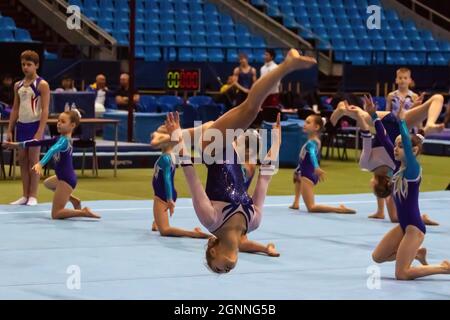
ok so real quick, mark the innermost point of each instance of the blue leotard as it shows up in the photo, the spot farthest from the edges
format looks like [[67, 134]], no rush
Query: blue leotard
[[406, 185], [164, 173], [308, 161], [61, 152]]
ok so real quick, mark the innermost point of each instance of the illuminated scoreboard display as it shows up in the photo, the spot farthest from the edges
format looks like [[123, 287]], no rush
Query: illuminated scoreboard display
[[183, 79]]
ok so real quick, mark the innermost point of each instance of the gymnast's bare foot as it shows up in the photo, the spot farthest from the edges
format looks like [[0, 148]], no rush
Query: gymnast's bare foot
[[154, 226], [271, 251], [294, 206], [426, 219], [343, 209], [337, 113], [377, 215], [433, 128], [295, 61], [422, 256], [88, 213]]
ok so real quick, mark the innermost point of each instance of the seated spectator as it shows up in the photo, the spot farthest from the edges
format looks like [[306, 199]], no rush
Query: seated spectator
[[7, 90], [122, 93], [102, 90], [67, 85], [228, 93]]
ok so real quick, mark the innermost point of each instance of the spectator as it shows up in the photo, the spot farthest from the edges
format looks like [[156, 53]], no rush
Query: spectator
[[102, 90], [228, 93], [7, 90], [273, 99], [122, 93], [244, 76], [67, 85]]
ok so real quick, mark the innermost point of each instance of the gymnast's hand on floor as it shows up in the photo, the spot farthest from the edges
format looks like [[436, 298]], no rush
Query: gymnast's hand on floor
[[171, 205], [320, 174], [10, 145], [37, 168]]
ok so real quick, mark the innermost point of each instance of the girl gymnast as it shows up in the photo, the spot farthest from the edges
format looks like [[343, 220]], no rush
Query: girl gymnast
[[429, 110], [225, 208], [308, 172], [403, 242], [65, 181], [166, 195], [378, 157]]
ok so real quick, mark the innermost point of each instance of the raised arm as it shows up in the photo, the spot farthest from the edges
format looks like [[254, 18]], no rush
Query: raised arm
[[165, 165], [412, 165], [38, 143], [412, 170]]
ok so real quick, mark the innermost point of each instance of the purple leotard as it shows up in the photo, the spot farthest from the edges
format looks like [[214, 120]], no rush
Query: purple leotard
[[226, 183], [308, 162], [61, 152], [163, 178], [406, 186]]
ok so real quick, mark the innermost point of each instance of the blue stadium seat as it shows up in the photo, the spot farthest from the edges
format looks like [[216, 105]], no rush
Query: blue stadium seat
[[185, 54], [167, 28], [418, 45], [229, 40], [432, 45], [426, 35], [378, 44], [395, 58], [412, 35], [365, 44], [198, 29], [140, 51], [232, 55], [166, 6], [198, 40], [22, 35], [199, 54], [213, 30], [182, 29], [151, 39], [212, 20], [215, 55], [258, 42], [338, 44], [169, 54], [169, 103], [6, 36], [183, 40], [50, 55], [392, 45], [106, 25], [7, 23], [167, 17], [435, 58], [213, 41], [167, 39], [243, 41], [147, 104]]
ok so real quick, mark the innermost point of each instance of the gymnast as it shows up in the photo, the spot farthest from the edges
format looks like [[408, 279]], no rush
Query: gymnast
[[308, 172], [224, 206], [65, 180], [413, 117], [165, 195], [378, 157], [403, 243]]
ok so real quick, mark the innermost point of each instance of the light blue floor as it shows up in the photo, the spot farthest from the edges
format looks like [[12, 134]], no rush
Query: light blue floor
[[322, 256]]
